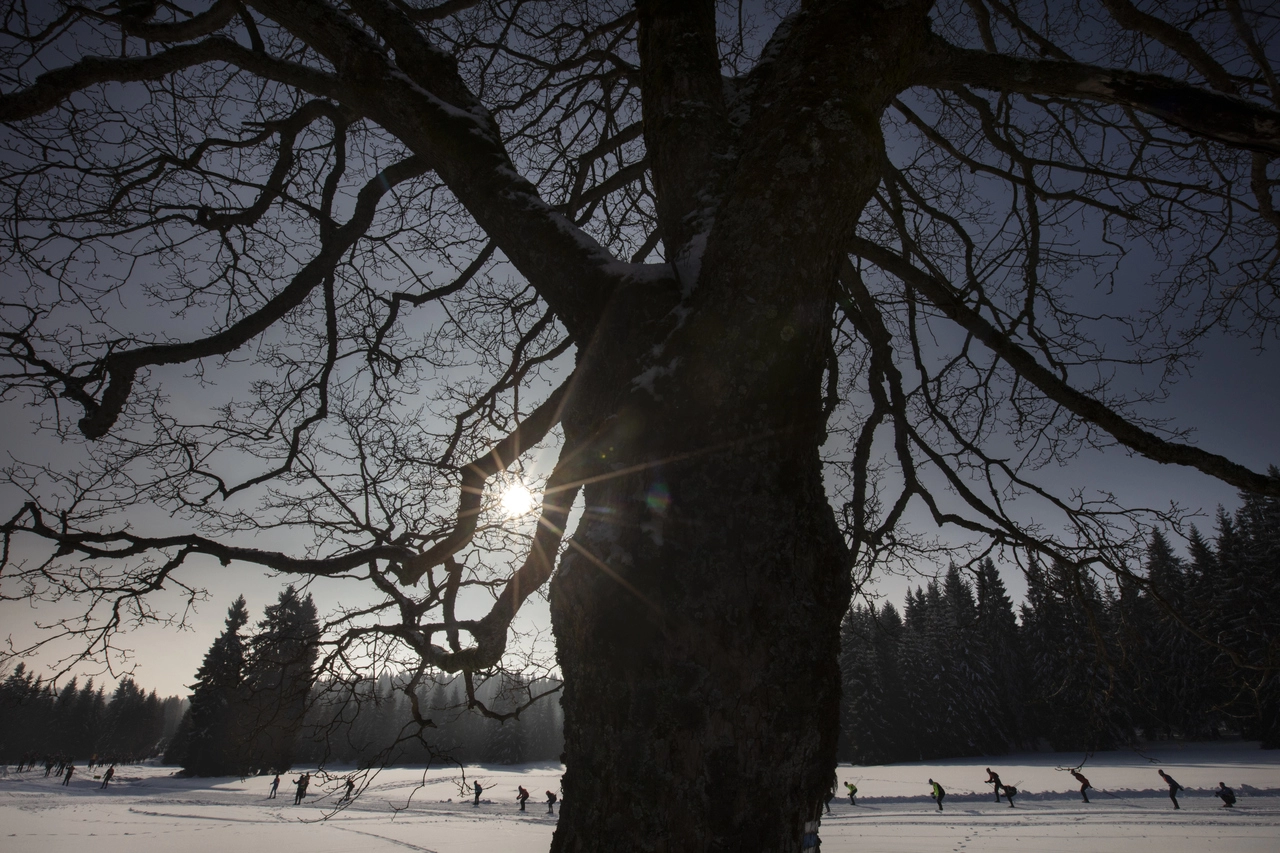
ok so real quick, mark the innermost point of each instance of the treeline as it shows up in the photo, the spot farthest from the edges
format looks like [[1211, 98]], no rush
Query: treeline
[[256, 708], [372, 723], [1186, 648], [39, 721]]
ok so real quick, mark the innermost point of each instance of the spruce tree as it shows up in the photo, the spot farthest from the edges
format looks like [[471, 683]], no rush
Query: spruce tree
[[1135, 618], [1254, 624], [997, 631], [893, 674], [506, 743], [1073, 665], [919, 652], [1042, 633], [1208, 691], [25, 706], [127, 723], [968, 684], [278, 679], [864, 733], [212, 730], [1181, 665]]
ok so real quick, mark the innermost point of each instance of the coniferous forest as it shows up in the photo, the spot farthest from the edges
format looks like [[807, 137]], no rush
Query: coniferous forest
[[40, 721], [257, 707], [1183, 647], [372, 723]]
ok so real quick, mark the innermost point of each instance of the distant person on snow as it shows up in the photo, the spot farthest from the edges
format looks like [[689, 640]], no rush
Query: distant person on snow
[[522, 795], [938, 793], [106, 777], [478, 790], [1084, 784], [1225, 794], [303, 781], [551, 801], [831, 792], [993, 778], [1174, 787], [275, 784], [1009, 792], [351, 787], [71, 768], [853, 793]]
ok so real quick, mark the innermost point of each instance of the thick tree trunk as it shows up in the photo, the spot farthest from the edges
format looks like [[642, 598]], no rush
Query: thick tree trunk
[[697, 610], [701, 683]]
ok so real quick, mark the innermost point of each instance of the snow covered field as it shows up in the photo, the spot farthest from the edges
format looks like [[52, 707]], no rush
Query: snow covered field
[[146, 809]]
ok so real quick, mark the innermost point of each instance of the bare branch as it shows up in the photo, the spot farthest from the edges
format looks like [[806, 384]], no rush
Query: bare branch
[[120, 368], [943, 297], [1211, 115]]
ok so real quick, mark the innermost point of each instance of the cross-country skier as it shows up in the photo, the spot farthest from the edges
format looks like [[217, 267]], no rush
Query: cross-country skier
[[275, 783], [993, 779], [478, 790], [351, 787], [1174, 787], [1084, 784], [1225, 794], [106, 777], [1009, 792], [71, 768], [303, 781], [938, 793], [853, 793], [551, 801], [522, 795]]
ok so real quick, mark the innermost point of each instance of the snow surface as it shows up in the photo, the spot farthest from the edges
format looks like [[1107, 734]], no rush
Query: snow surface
[[148, 809]]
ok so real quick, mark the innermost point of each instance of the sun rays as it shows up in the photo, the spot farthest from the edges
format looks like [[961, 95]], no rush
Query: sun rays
[[517, 500]]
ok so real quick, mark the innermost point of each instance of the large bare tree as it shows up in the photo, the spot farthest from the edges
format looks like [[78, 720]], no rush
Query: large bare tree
[[298, 281]]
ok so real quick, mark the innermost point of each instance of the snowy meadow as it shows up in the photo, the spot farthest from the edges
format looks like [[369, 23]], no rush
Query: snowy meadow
[[146, 808]]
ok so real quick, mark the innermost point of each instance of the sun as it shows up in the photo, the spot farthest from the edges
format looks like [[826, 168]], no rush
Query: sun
[[517, 500]]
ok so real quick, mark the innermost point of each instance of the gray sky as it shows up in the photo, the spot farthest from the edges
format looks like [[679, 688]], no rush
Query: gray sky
[[1233, 401]]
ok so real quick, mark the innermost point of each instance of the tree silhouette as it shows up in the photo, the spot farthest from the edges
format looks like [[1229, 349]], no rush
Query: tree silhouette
[[213, 736], [278, 673], [697, 247]]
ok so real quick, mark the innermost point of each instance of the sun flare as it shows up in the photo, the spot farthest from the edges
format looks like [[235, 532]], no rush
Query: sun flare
[[517, 500]]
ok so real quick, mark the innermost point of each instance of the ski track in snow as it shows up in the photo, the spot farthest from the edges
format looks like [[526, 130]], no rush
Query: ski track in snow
[[384, 838], [147, 809]]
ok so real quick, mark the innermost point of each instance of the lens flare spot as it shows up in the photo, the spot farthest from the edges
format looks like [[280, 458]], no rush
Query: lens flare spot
[[659, 498]]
